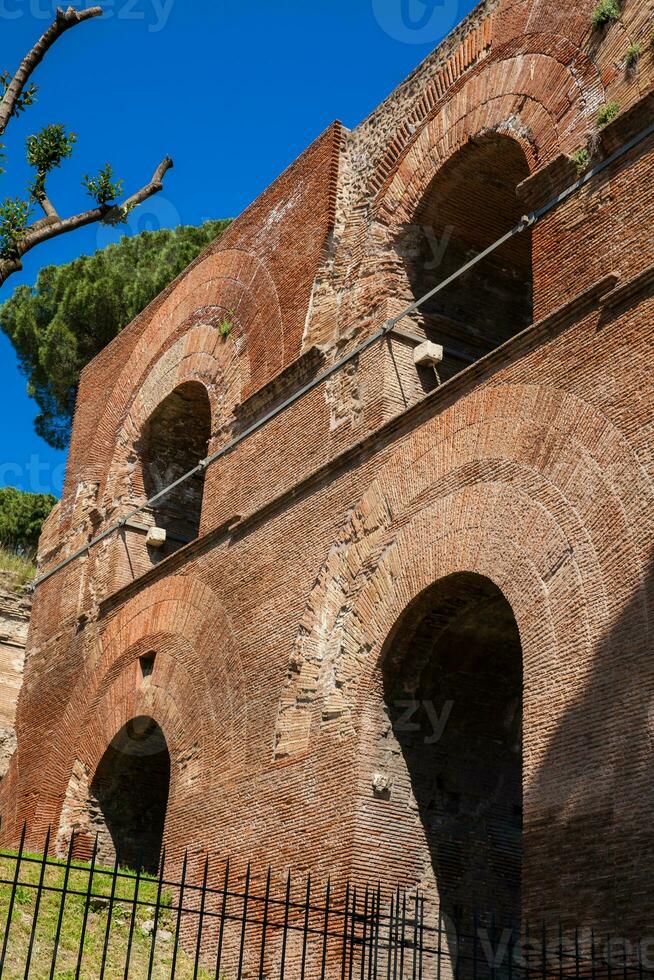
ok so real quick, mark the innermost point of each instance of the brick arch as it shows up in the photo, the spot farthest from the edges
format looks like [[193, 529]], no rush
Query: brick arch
[[118, 702], [544, 80], [521, 467], [230, 280], [201, 355], [541, 89], [200, 700]]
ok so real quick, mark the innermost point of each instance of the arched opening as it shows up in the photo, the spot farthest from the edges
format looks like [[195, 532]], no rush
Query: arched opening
[[452, 675], [174, 439], [129, 795], [470, 203]]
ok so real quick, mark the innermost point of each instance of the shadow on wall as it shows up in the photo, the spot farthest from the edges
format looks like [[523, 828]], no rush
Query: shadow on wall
[[453, 686], [589, 846], [174, 440], [129, 794], [471, 202]]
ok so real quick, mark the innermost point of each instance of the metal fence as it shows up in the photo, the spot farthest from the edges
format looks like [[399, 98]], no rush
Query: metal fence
[[81, 919]]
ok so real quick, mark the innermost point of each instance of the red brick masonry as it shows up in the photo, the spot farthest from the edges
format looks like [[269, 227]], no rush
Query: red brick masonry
[[526, 475]]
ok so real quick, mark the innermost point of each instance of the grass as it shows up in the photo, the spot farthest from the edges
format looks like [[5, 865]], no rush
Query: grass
[[607, 113], [633, 56], [226, 325], [19, 570], [96, 928], [581, 160]]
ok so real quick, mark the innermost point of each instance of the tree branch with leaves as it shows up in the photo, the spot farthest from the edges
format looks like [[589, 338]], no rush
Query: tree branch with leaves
[[46, 151]]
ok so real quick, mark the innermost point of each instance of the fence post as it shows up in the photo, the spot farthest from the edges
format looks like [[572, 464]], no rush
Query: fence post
[[403, 935], [353, 932], [266, 903], [323, 966], [87, 902], [223, 915], [390, 937], [12, 897], [377, 928], [287, 901], [346, 910], [178, 922], [37, 903], [439, 950], [60, 917], [246, 895], [156, 914], [305, 933], [137, 882], [110, 908], [203, 898]]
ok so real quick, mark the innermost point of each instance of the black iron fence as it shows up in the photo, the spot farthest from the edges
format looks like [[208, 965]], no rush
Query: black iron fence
[[70, 919]]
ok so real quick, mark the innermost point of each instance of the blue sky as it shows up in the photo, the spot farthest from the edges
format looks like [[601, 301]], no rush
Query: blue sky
[[233, 90]]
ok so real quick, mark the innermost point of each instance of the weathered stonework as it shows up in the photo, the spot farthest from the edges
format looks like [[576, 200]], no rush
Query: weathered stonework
[[476, 542], [14, 622]]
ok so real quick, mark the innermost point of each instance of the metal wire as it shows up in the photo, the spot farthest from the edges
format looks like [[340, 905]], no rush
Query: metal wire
[[527, 222]]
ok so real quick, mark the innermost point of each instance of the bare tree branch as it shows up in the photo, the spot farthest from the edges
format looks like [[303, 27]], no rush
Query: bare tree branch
[[64, 20], [53, 226], [48, 207]]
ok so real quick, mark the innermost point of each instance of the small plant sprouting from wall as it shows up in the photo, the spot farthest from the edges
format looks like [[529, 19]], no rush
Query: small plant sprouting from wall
[[581, 160], [226, 325], [633, 56], [605, 13], [607, 113]]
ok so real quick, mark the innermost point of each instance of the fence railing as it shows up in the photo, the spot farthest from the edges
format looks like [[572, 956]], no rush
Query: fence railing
[[66, 918]]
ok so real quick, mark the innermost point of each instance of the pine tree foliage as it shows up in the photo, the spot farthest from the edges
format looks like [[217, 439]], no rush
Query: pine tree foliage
[[75, 310]]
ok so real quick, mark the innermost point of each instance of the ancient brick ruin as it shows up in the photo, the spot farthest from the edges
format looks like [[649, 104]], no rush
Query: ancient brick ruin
[[400, 631], [15, 608]]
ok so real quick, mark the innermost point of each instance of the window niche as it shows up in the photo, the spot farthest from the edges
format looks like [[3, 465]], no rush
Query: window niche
[[173, 441]]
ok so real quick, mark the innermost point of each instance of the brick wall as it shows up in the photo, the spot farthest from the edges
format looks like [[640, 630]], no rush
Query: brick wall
[[530, 470]]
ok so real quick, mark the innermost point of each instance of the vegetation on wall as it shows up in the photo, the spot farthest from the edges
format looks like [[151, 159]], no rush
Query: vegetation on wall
[[607, 113], [581, 160], [75, 310], [634, 53], [605, 12]]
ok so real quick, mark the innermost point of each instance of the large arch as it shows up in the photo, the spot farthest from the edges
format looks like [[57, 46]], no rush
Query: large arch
[[471, 202], [128, 795], [229, 283], [508, 483], [500, 92], [196, 696], [452, 692]]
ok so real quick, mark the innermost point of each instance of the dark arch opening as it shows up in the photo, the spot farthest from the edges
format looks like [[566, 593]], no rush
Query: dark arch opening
[[129, 794], [471, 202], [174, 439], [455, 660]]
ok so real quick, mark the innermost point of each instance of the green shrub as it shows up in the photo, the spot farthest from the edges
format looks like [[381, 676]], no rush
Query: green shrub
[[605, 12], [607, 113], [581, 160], [21, 519], [634, 52], [226, 325]]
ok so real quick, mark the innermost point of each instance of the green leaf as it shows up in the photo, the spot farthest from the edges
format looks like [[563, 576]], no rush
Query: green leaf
[[103, 188]]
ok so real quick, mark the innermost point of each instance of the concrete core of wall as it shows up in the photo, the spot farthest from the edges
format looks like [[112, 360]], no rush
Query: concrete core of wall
[[15, 609]]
